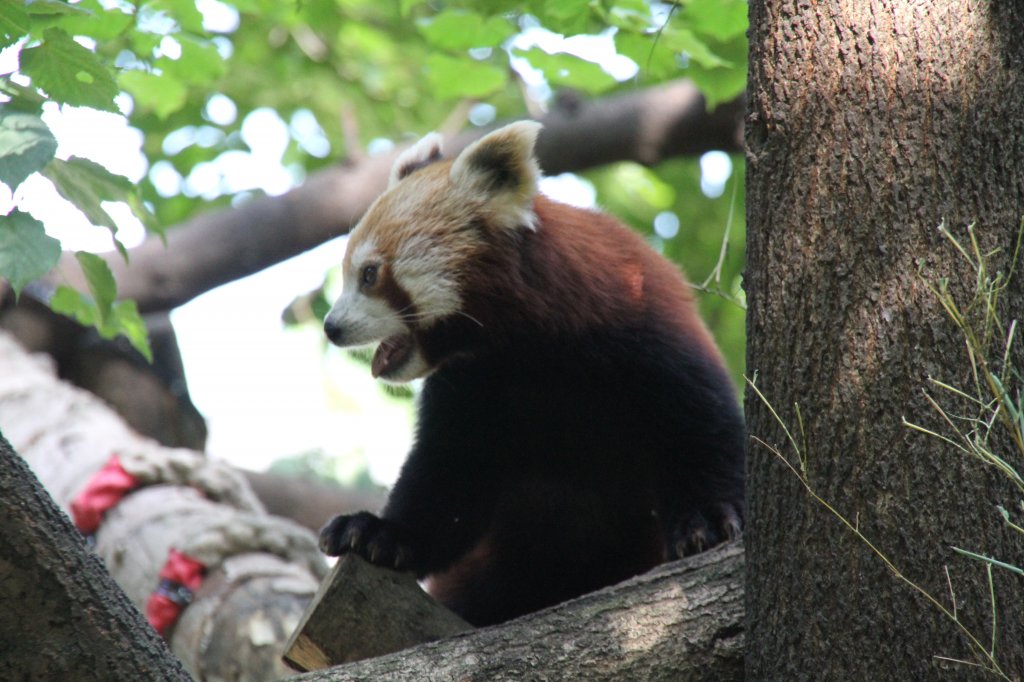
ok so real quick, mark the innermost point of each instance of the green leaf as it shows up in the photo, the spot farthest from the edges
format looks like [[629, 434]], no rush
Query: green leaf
[[26, 146], [26, 251], [367, 42], [720, 19], [406, 6], [125, 319], [13, 23], [52, 7], [145, 215], [68, 72], [163, 94], [199, 64], [685, 41], [87, 184], [568, 70], [182, 11], [98, 22], [122, 317], [101, 284], [656, 62], [451, 77], [458, 30], [631, 15], [22, 98], [568, 17], [721, 84], [67, 301], [112, 318]]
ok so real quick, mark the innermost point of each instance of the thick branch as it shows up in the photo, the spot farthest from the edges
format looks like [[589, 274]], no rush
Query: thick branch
[[64, 616], [221, 246], [682, 621]]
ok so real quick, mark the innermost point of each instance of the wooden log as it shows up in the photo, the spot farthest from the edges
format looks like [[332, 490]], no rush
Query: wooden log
[[681, 621], [363, 611]]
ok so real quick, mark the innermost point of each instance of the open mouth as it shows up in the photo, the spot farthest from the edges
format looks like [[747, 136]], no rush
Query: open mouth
[[391, 354]]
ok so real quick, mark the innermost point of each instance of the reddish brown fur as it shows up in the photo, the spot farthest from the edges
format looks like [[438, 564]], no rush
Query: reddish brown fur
[[580, 270]]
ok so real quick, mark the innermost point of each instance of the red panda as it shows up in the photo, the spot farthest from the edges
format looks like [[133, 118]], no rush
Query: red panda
[[576, 426]]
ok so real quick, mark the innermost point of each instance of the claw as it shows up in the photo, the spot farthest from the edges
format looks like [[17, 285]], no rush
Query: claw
[[353, 535], [698, 541], [732, 529]]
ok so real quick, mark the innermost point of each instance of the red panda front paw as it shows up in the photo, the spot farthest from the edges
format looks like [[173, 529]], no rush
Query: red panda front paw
[[699, 531], [375, 539]]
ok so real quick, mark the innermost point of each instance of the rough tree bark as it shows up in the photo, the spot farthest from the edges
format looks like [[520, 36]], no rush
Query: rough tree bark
[[681, 622], [214, 248], [363, 611], [64, 618], [869, 124]]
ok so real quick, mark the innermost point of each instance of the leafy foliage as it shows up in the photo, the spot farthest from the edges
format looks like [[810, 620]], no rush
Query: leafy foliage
[[26, 253], [68, 72], [338, 76], [26, 146]]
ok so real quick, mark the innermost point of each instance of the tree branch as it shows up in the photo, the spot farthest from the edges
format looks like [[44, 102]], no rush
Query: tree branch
[[218, 247], [64, 616], [682, 621]]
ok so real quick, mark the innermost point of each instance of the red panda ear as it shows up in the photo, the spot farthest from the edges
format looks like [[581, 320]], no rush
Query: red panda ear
[[424, 152], [501, 167]]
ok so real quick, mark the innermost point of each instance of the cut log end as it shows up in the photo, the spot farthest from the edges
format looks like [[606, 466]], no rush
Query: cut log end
[[364, 611]]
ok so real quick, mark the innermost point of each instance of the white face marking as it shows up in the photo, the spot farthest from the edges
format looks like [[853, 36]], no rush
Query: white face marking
[[364, 252], [363, 319], [427, 274], [366, 320]]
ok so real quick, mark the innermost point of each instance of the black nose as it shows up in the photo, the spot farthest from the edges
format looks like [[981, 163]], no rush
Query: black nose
[[333, 331]]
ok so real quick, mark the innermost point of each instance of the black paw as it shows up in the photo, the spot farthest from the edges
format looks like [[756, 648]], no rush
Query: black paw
[[377, 540], [701, 530]]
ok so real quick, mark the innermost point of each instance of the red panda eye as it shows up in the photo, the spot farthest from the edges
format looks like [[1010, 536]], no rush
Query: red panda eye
[[368, 276]]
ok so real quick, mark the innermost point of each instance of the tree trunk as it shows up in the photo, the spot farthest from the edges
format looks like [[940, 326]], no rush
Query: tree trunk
[[218, 247], [64, 618], [869, 124]]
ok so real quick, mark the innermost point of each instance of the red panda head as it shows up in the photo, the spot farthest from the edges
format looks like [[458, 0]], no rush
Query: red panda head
[[406, 259]]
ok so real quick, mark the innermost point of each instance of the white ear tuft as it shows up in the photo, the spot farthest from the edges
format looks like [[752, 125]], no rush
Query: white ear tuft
[[501, 167], [424, 152]]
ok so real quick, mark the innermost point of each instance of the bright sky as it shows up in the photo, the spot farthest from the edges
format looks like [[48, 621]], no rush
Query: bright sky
[[266, 391]]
